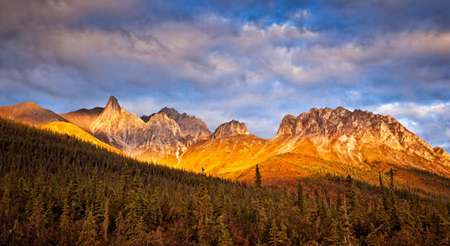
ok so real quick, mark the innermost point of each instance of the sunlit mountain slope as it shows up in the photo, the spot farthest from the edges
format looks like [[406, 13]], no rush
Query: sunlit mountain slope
[[315, 143], [83, 117], [327, 141], [72, 130], [29, 113]]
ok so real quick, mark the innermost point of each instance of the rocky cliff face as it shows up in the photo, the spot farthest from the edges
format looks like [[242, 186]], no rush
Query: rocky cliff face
[[164, 139], [362, 125], [163, 136], [119, 127], [338, 121], [287, 126], [159, 137], [192, 128], [358, 136], [230, 129]]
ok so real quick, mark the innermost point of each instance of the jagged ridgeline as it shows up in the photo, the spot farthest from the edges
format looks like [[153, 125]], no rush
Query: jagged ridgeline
[[318, 142], [56, 189]]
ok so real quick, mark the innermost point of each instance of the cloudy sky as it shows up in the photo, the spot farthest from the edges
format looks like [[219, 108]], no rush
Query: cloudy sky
[[248, 60]]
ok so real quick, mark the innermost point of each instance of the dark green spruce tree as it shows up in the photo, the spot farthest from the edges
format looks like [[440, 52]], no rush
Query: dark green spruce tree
[[258, 181], [300, 198]]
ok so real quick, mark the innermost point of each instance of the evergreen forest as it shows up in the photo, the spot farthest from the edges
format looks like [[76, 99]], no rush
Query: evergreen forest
[[57, 190]]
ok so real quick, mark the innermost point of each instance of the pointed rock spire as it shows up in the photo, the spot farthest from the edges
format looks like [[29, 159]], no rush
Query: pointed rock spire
[[113, 104]]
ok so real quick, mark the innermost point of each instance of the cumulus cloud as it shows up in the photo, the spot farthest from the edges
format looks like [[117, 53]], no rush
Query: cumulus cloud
[[414, 110], [210, 50], [227, 60], [23, 15], [431, 121]]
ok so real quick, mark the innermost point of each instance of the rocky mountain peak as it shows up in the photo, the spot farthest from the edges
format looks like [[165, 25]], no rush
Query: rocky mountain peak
[[287, 126], [113, 104], [327, 121], [192, 128], [158, 137], [161, 118], [171, 112], [230, 129], [345, 132], [117, 126]]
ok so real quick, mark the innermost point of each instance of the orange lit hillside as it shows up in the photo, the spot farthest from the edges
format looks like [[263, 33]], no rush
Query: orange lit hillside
[[75, 131], [289, 167], [223, 157], [286, 160], [315, 143], [29, 113]]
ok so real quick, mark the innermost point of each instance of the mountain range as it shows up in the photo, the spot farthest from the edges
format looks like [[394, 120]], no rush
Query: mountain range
[[315, 143]]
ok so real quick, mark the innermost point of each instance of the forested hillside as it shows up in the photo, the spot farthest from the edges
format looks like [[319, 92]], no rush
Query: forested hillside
[[59, 190]]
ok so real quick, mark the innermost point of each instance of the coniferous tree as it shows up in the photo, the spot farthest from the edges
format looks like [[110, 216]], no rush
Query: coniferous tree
[[278, 235], [262, 221], [36, 219], [105, 224], [5, 203], [88, 234], [121, 229], [224, 234], [135, 226], [205, 224], [258, 181], [18, 233], [338, 202], [380, 180], [394, 220], [437, 230], [65, 222], [139, 234], [351, 194], [283, 235], [333, 233], [300, 198], [391, 178], [345, 226], [273, 234], [448, 210], [52, 189], [386, 196], [153, 214]]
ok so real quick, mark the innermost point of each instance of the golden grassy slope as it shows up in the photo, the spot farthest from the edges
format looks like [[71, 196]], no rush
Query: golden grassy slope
[[156, 158], [75, 131], [83, 117], [29, 113], [223, 157], [282, 160]]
